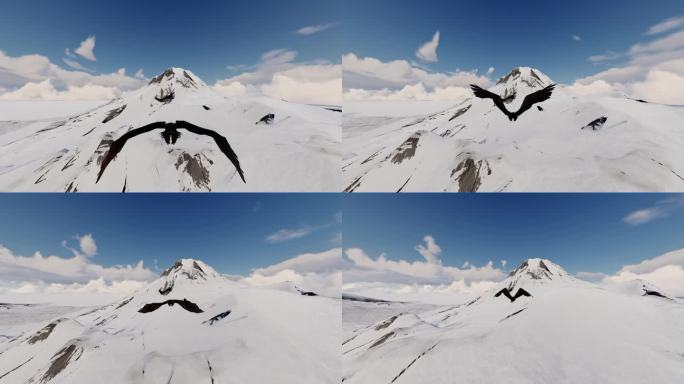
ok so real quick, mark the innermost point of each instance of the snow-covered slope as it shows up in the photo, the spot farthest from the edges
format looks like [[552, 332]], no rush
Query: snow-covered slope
[[567, 331], [472, 146], [298, 151], [216, 331]]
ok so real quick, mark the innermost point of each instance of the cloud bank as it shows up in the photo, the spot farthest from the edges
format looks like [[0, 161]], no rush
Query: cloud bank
[[39, 275], [280, 76], [318, 272], [363, 274], [653, 70], [368, 78], [665, 271]]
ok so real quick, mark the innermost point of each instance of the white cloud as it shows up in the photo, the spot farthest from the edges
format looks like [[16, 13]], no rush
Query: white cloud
[[430, 251], [652, 70], [503, 263], [576, 38], [661, 209], [608, 56], [490, 71], [35, 77], [289, 234], [140, 75], [87, 244], [45, 90], [328, 261], [317, 272], [651, 265], [312, 29], [286, 234], [278, 75], [301, 91], [597, 88], [660, 87], [86, 49], [666, 26], [359, 269], [665, 271], [371, 79], [94, 292], [440, 294], [76, 65], [669, 42], [409, 92], [428, 51], [643, 216], [54, 269], [231, 89]]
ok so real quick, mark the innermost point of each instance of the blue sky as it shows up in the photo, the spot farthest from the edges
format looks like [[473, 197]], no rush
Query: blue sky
[[204, 36], [503, 34], [228, 231], [581, 232]]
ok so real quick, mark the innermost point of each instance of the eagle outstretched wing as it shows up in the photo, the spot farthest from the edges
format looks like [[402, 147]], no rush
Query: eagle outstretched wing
[[221, 142], [521, 292], [185, 304], [498, 101], [189, 306], [506, 292], [151, 307], [119, 143], [534, 98], [529, 100]]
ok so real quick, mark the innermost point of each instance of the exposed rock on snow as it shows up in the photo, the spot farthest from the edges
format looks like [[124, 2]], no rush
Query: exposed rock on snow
[[595, 125], [267, 119]]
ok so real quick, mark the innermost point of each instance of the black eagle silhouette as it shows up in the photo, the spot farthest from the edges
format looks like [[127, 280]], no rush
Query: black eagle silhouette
[[185, 304], [506, 292], [530, 100], [170, 135]]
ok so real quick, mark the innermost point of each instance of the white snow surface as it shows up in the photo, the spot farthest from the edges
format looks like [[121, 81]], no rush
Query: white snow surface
[[568, 331], [269, 336], [472, 146], [299, 151]]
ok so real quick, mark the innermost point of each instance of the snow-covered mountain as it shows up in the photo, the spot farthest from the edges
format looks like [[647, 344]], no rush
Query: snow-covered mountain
[[296, 150], [566, 331], [191, 325], [569, 143]]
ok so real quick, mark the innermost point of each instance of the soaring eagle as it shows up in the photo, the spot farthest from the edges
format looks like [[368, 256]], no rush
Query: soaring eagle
[[185, 304], [528, 102], [507, 293], [170, 135]]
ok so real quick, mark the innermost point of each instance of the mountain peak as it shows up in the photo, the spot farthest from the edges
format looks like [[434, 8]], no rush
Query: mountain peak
[[191, 269], [539, 269], [520, 81], [536, 271], [175, 75]]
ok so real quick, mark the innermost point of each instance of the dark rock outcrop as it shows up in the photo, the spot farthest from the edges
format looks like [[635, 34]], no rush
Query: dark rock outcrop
[[267, 119], [597, 124]]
